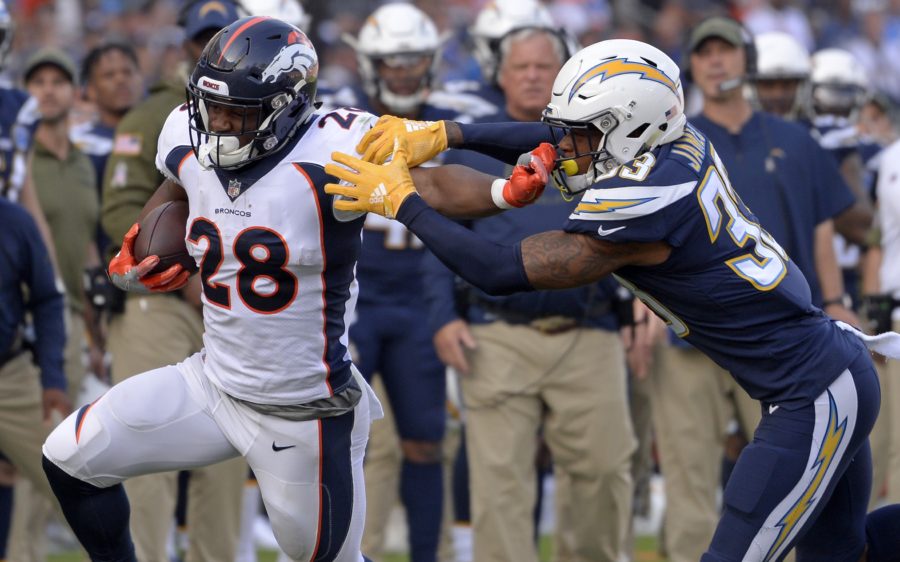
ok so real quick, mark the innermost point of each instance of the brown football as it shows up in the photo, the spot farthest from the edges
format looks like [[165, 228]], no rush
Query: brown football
[[162, 234]]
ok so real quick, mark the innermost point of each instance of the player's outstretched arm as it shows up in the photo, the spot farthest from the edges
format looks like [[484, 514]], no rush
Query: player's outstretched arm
[[427, 139], [549, 260], [455, 191]]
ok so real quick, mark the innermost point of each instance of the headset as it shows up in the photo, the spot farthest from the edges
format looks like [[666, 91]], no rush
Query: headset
[[749, 53]]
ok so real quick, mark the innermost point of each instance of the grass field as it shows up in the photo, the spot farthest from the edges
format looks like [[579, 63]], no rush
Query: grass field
[[645, 551]]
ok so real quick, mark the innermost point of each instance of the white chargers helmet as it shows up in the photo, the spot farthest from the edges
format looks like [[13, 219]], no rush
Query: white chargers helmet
[[780, 57], [497, 19], [290, 11], [397, 35], [626, 94], [838, 84]]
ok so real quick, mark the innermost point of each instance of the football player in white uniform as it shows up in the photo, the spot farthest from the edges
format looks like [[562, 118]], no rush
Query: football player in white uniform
[[274, 381]]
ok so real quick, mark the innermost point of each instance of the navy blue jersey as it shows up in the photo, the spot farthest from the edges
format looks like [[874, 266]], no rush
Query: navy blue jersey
[[836, 135], [18, 120], [728, 287], [25, 264], [786, 178], [389, 266]]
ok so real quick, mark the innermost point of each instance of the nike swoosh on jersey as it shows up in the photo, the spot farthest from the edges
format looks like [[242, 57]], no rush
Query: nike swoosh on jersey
[[276, 448], [772, 408], [605, 232]]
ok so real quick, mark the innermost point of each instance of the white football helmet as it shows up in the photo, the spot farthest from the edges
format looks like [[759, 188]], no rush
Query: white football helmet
[[398, 35], [625, 92], [290, 11], [781, 57], [838, 84], [497, 19]]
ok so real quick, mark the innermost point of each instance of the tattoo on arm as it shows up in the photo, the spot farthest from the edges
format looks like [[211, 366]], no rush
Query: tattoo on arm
[[562, 260]]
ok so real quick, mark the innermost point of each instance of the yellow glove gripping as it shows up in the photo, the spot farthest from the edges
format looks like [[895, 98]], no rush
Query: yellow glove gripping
[[426, 139], [375, 188]]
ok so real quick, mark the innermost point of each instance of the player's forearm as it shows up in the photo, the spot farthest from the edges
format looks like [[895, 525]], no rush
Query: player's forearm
[[46, 304], [870, 265], [503, 141], [29, 200], [493, 268], [855, 222], [456, 191], [831, 282]]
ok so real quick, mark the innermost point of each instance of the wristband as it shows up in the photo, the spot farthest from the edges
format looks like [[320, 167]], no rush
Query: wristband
[[497, 194]]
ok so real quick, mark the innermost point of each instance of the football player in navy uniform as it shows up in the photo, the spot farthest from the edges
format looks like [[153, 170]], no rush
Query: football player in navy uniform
[[18, 120], [398, 50], [658, 210]]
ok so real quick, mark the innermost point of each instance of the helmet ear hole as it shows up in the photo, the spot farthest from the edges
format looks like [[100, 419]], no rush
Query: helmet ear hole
[[638, 131]]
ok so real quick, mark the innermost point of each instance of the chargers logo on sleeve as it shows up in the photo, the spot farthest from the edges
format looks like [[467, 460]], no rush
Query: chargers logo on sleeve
[[622, 203], [609, 205]]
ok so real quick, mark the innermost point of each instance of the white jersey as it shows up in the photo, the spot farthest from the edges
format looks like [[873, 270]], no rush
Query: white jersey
[[277, 263]]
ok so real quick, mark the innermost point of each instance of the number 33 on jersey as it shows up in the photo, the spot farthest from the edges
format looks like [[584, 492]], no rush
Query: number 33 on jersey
[[276, 262]]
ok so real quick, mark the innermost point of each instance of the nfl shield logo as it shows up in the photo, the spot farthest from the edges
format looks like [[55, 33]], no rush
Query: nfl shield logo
[[234, 188]]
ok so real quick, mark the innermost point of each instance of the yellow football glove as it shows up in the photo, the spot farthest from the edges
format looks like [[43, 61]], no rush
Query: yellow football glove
[[426, 139], [375, 188]]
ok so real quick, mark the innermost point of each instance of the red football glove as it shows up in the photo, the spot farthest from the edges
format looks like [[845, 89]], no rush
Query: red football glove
[[528, 179], [128, 275]]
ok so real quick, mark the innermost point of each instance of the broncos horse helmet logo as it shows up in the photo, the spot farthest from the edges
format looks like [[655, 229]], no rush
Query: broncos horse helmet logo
[[296, 56]]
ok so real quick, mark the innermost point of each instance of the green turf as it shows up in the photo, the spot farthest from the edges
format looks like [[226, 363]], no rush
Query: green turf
[[645, 551]]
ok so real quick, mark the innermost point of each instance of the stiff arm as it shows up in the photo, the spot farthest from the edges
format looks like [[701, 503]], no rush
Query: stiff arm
[[549, 260], [455, 191]]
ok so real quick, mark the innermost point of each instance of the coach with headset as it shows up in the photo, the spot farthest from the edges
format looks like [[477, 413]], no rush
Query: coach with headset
[[781, 173]]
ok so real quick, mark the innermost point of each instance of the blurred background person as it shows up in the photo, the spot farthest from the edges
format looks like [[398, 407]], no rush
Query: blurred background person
[[65, 184]]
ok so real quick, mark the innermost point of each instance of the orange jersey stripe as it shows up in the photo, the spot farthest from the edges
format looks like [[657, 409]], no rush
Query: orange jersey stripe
[[81, 421]]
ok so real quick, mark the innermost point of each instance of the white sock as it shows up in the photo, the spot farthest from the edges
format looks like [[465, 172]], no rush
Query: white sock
[[462, 542]]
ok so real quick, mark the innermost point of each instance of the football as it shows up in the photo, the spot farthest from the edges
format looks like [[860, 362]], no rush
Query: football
[[162, 234]]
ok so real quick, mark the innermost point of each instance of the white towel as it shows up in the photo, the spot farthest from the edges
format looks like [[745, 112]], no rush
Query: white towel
[[887, 344]]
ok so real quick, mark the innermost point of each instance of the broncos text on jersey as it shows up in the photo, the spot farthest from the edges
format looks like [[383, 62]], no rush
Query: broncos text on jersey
[[277, 263]]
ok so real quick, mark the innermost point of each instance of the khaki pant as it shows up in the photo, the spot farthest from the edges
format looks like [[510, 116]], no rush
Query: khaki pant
[[574, 384], [885, 437], [154, 331], [692, 402], [32, 508], [382, 472]]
